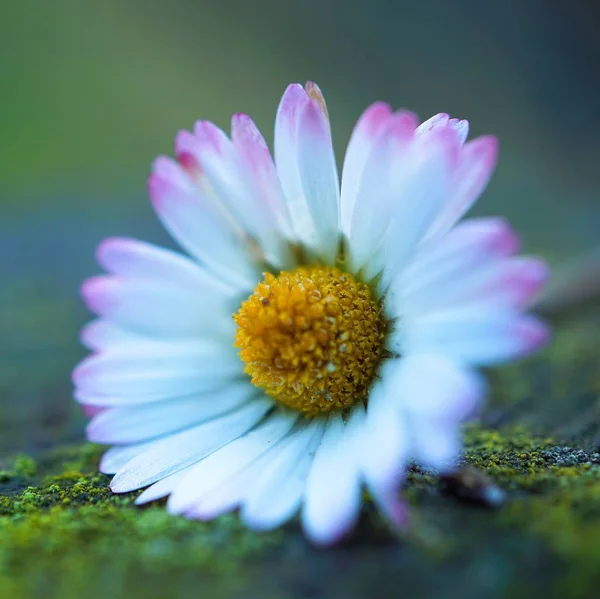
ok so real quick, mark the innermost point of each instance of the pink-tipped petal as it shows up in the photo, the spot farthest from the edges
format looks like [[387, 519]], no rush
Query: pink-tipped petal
[[524, 279], [423, 190], [208, 133], [385, 452], [361, 143], [474, 243], [473, 335], [188, 215], [186, 150], [477, 163], [286, 160], [175, 368], [313, 91], [471, 279], [254, 151], [149, 307], [437, 121], [137, 259], [319, 177], [378, 193], [100, 334], [99, 295], [91, 411], [238, 192], [533, 335], [461, 126], [392, 507]]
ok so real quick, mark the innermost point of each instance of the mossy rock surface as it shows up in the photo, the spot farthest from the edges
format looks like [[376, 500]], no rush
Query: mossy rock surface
[[63, 534]]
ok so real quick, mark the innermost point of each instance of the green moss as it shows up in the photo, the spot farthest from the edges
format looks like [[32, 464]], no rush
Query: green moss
[[77, 532], [85, 540], [21, 467], [566, 518], [513, 458], [25, 466], [556, 497]]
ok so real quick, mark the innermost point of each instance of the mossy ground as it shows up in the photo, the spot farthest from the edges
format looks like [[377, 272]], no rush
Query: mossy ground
[[65, 535]]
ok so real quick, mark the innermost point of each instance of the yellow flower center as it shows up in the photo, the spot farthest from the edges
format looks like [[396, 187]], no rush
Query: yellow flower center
[[312, 338]]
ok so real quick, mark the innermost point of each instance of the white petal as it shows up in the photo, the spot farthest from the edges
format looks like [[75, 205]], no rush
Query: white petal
[[380, 188], [161, 488], [277, 492], [508, 283], [116, 457], [433, 387], [234, 187], [437, 121], [363, 139], [286, 160], [385, 447], [318, 173], [171, 454], [135, 259], [254, 151], [231, 493], [151, 307], [207, 476], [471, 335], [391, 506], [155, 371], [227, 495], [100, 334], [190, 216], [385, 440], [332, 500], [476, 165], [470, 244], [140, 423], [423, 189], [435, 444], [461, 126]]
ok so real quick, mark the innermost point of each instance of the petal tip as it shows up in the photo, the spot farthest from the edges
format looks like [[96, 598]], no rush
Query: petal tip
[[534, 334]]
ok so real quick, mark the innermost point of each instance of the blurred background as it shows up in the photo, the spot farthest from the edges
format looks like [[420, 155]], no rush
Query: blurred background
[[91, 92]]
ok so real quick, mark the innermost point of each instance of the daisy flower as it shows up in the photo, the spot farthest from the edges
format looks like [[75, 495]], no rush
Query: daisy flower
[[317, 337]]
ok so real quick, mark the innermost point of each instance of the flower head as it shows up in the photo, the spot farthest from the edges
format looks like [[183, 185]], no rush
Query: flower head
[[319, 336]]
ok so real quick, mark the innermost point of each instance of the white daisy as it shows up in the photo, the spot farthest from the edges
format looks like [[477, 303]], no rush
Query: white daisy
[[318, 337]]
